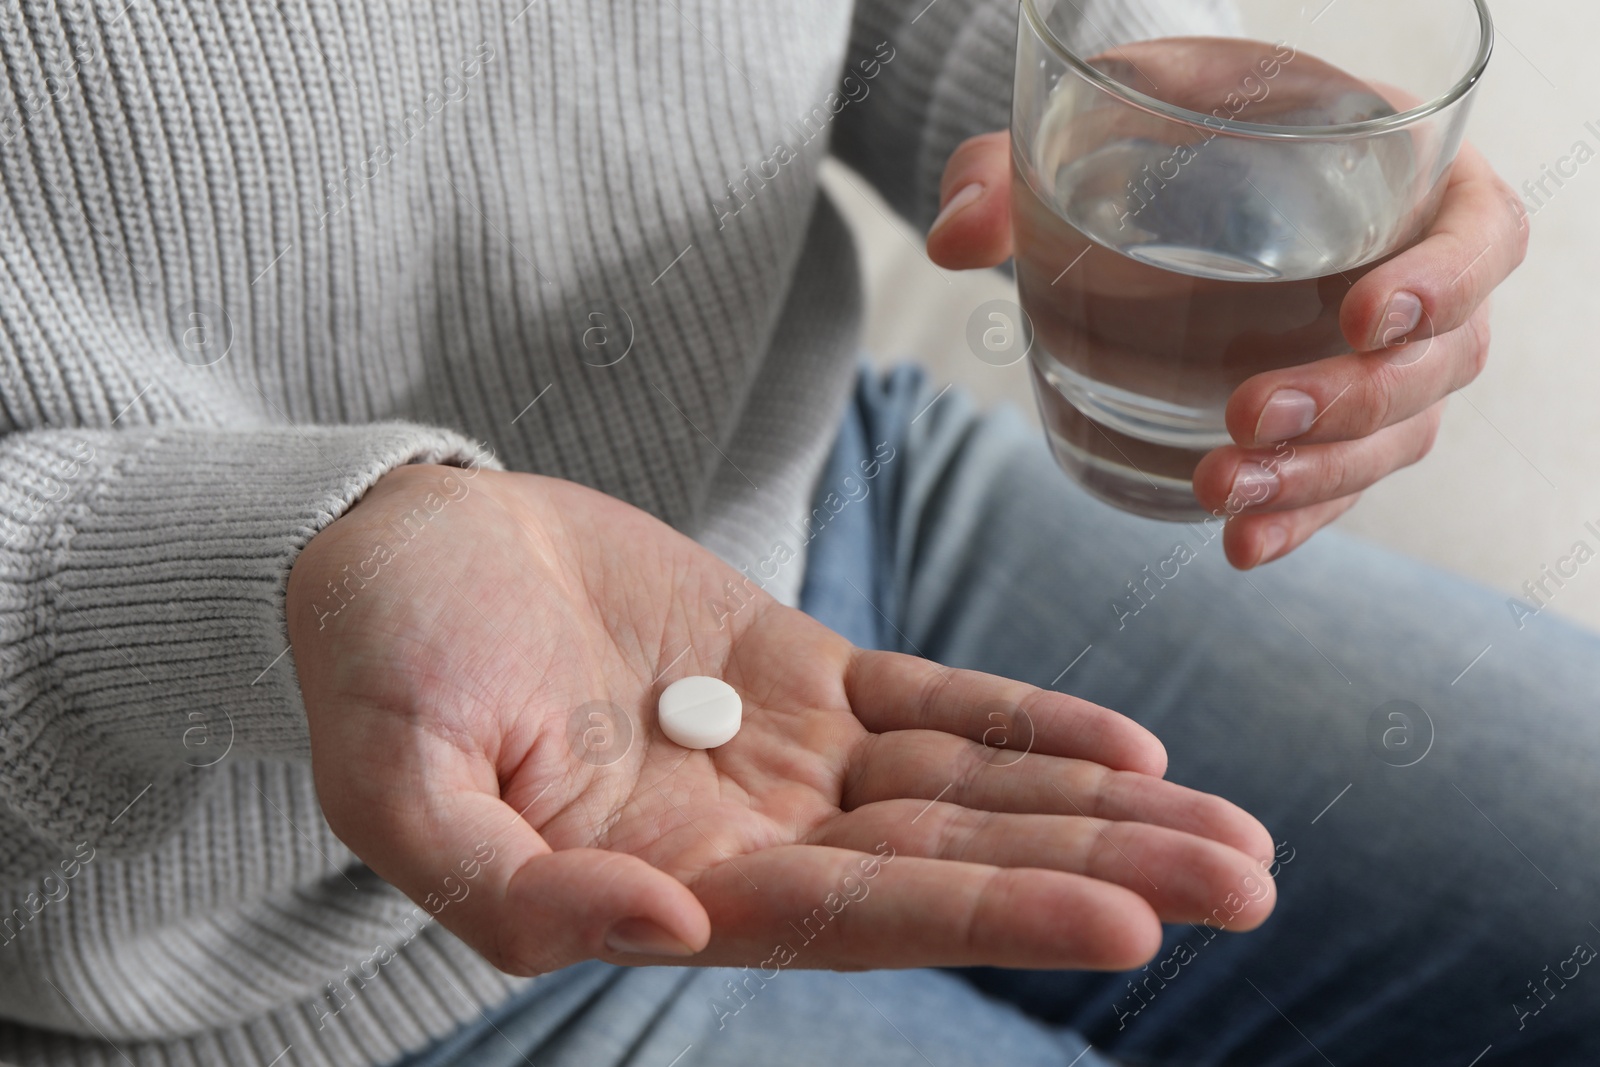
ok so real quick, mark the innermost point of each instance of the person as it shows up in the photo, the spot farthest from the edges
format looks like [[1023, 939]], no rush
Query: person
[[398, 395]]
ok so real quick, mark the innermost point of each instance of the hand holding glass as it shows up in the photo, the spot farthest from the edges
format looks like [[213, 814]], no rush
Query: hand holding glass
[[1191, 211]]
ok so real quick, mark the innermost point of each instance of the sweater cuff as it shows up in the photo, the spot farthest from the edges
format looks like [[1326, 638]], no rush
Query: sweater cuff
[[142, 600], [970, 95]]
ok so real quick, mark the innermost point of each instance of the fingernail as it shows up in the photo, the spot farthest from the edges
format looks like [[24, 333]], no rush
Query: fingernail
[[964, 196], [1287, 414], [642, 937], [1399, 319], [1273, 539], [1252, 487]]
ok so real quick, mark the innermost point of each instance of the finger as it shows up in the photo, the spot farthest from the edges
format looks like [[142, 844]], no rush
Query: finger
[[1478, 238], [828, 907], [1241, 480], [447, 840], [936, 766], [1183, 877], [1251, 540], [1350, 396], [974, 224], [890, 691]]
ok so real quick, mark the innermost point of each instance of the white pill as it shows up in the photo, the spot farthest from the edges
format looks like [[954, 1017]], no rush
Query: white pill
[[700, 712]]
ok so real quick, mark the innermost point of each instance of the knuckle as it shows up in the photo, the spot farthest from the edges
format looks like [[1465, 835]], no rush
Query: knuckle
[[1521, 240], [1102, 854], [516, 957], [1520, 220], [969, 774], [859, 766], [972, 924], [1337, 475], [1432, 421], [1103, 793], [1473, 339], [1482, 327], [960, 834], [1377, 399], [1481, 331]]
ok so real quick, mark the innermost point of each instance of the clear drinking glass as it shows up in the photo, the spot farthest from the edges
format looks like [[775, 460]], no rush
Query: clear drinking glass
[[1190, 211]]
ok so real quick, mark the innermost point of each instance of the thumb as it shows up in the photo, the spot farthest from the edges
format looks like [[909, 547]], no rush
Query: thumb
[[974, 224], [473, 863]]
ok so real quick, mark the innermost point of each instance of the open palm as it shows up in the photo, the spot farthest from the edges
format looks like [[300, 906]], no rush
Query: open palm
[[491, 691]]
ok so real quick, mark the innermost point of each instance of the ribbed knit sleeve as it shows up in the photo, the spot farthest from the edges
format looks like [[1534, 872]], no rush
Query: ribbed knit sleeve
[[949, 75], [142, 579], [587, 233]]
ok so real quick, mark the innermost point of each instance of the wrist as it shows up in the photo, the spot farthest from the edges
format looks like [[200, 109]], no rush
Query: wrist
[[349, 553]]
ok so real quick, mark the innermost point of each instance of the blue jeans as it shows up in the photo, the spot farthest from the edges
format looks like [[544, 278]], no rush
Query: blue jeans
[[1426, 765]]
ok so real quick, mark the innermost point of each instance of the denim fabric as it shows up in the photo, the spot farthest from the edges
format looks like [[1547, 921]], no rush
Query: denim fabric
[[1426, 764]]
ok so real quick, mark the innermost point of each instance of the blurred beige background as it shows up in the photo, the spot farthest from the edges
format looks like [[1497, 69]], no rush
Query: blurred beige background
[[1513, 477]]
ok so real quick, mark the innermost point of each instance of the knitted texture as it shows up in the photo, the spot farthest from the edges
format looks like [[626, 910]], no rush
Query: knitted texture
[[253, 255]]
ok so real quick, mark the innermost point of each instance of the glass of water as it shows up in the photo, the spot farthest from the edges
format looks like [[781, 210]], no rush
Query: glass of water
[[1190, 211]]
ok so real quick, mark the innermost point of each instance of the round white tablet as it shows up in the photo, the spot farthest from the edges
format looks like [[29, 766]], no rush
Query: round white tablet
[[700, 712]]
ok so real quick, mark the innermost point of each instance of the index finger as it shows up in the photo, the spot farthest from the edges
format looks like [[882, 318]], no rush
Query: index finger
[[973, 228], [1479, 237]]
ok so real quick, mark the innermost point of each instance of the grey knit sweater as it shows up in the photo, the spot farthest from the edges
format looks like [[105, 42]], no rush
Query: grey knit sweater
[[255, 254]]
